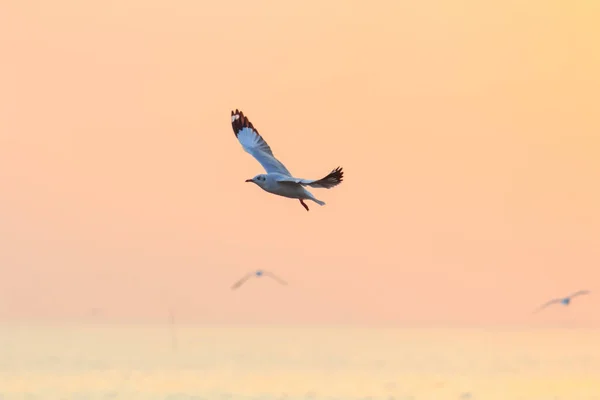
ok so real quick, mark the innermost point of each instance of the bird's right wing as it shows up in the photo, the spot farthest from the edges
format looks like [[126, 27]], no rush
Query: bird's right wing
[[540, 308], [579, 293], [241, 281], [272, 275], [254, 144]]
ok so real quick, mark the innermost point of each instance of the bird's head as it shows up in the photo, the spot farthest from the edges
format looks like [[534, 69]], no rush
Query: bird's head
[[259, 179]]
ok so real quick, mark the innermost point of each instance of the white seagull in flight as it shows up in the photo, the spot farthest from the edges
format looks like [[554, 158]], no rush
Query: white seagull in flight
[[565, 301], [258, 274], [278, 180]]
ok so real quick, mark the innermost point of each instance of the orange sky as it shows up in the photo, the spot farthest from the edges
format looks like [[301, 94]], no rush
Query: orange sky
[[469, 133]]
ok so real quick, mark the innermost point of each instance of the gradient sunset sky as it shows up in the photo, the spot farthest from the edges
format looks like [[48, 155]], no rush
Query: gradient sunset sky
[[469, 133]]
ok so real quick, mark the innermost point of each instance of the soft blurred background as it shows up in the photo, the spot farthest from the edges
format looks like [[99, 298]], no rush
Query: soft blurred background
[[469, 133]]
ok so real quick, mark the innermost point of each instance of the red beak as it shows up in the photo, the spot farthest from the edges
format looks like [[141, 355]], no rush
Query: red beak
[[248, 180]]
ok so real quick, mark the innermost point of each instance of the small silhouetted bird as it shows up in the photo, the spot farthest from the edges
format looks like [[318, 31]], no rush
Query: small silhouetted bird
[[565, 301], [259, 273]]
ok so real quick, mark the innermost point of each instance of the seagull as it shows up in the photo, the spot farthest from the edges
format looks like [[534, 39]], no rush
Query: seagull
[[278, 180], [565, 301], [258, 274]]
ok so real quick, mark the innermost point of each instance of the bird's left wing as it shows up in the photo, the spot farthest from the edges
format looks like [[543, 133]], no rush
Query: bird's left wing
[[332, 179], [540, 308], [254, 144], [241, 281]]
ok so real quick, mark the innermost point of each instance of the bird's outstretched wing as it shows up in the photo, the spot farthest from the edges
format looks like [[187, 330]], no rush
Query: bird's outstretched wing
[[579, 293], [333, 179], [540, 308], [272, 275], [242, 281], [254, 144]]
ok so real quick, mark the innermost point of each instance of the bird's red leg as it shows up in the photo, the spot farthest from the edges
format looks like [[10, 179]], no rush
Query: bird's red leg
[[303, 204]]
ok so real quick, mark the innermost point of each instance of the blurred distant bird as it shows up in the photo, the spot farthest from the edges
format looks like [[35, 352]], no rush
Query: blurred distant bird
[[258, 274], [565, 301], [278, 180]]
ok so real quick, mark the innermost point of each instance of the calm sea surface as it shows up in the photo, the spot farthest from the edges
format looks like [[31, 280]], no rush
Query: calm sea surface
[[149, 362]]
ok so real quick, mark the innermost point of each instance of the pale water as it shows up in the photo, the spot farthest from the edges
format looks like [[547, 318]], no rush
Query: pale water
[[148, 362]]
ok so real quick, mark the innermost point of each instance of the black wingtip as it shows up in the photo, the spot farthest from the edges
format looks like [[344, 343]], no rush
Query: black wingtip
[[239, 121], [337, 175]]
